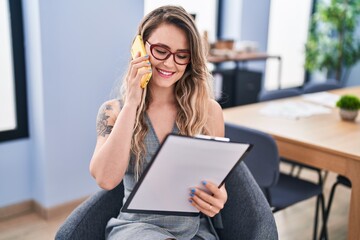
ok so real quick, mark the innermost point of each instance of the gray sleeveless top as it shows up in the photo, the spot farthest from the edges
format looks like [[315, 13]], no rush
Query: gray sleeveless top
[[161, 226], [152, 143]]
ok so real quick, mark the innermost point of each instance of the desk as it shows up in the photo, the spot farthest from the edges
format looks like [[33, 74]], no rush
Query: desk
[[322, 141], [240, 57]]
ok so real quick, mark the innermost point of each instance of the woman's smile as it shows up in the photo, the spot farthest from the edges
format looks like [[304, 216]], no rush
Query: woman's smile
[[164, 73]]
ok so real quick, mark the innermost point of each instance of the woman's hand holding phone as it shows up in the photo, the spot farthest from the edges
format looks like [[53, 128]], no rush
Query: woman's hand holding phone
[[137, 69], [138, 47]]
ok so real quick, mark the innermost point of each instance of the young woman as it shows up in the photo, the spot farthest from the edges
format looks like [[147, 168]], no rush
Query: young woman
[[178, 99]]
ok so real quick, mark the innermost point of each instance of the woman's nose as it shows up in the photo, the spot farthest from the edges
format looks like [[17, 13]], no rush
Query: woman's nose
[[170, 61]]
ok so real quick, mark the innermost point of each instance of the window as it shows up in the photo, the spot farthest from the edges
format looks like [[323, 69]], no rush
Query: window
[[13, 106], [288, 30]]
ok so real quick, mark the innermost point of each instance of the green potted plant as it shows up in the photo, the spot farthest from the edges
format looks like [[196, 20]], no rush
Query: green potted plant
[[349, 106], [333, 44]]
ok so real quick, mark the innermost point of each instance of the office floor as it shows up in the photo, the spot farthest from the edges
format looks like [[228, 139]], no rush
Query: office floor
[[293, 223]]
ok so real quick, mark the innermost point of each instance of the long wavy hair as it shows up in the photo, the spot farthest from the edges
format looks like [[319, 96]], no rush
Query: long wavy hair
[[193, 90]]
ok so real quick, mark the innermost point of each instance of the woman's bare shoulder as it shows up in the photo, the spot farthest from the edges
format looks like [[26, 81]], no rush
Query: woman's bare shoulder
[[216, 119], [106, 117], [111, 106], [214, 107], [110, 109]]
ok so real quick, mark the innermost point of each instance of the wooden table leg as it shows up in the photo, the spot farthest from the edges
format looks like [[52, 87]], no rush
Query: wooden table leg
[[354, 212]]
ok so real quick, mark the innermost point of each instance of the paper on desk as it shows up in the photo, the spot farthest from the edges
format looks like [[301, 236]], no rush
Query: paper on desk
[[293, 110], [323, 98]]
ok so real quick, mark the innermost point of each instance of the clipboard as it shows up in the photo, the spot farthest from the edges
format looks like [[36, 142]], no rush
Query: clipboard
[[180, 163]]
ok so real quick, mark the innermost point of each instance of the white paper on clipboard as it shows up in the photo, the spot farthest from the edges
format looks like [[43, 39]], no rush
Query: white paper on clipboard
[[181, 163]]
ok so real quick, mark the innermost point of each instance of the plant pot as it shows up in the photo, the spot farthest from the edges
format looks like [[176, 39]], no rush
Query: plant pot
[[348, 115]]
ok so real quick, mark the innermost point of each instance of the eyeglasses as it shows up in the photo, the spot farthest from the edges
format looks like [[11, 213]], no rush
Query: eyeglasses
[[181, 57]]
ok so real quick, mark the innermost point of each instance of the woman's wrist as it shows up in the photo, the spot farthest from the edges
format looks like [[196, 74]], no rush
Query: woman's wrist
[[130, 105]]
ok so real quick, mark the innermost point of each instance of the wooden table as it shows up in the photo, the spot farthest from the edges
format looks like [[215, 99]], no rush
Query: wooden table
[[323, 141], [241, 57]]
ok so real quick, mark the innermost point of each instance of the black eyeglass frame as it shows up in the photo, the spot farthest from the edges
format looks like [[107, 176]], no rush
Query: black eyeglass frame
[[152, 46]]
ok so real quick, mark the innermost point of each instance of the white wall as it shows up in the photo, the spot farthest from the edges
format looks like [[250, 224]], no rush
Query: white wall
[[15, 176], [76, 51]]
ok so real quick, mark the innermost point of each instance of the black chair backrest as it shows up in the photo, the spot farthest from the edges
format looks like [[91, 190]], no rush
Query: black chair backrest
[[263, 159], [319, 87], [276, 94], [246, 214]]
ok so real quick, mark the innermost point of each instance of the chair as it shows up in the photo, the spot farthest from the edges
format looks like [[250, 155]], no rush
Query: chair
[[339, 180], [276, 94], [246, 214], [312, 87], [89, 219], [263, 163]]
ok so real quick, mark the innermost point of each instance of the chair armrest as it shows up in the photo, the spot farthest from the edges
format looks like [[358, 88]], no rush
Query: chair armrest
[[89, 219], [247, 214]]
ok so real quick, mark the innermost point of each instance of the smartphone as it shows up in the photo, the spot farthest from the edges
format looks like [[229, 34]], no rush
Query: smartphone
[[138, 46]]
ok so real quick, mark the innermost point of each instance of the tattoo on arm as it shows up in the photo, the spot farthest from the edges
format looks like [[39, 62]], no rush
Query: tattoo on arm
[[102, 126]]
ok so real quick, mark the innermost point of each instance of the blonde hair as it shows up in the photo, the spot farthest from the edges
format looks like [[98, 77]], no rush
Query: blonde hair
[[192, 92]]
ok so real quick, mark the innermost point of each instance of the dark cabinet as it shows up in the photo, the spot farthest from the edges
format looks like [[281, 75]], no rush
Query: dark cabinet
[[238, 87]]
